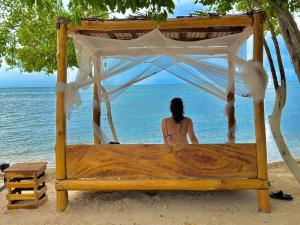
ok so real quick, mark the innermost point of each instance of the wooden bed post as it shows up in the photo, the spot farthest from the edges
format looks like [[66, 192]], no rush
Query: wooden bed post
[[60, 146], [231, 117], [230, 101], [96, 112], [259, 117], [96, 98]]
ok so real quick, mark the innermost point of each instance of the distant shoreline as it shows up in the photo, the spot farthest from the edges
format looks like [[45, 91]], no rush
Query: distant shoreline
[[270, 85]]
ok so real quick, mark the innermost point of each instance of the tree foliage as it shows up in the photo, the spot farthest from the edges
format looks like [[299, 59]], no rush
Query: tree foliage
[[28, 34], [156, 9], [226, 6], [27, 27]]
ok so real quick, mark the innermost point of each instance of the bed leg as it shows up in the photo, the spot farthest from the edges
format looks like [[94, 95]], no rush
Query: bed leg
[[61, 200], [263, 200]]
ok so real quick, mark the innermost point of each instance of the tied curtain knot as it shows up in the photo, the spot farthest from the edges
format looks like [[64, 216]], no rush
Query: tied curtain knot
[[256, 79], [72, 96]]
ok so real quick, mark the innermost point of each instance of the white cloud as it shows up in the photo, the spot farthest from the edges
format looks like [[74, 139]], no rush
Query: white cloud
[[182, 8]]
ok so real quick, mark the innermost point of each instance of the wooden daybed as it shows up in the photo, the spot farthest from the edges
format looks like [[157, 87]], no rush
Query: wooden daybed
[[154, 166]]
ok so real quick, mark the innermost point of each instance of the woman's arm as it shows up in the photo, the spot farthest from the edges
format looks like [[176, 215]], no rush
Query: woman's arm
[[163, 128], [191, 133]]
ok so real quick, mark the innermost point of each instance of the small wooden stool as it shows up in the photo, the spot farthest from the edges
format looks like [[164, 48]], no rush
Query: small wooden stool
[[26, 185]]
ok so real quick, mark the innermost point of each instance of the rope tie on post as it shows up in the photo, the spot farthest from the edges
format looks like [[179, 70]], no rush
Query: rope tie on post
[[256, 79], [72, 96]]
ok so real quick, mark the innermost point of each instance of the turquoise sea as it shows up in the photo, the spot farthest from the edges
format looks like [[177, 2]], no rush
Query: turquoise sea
[[27, 119]]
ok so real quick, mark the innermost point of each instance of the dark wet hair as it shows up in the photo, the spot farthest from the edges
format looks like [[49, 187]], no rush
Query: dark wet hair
[[176, 108]]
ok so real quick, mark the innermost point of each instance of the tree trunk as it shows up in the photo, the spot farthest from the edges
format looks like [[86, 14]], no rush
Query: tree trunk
[[291, 35], [275, 117], [271, 62]]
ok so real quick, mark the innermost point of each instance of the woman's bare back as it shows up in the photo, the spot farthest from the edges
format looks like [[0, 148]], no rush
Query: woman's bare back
[[176, 133]]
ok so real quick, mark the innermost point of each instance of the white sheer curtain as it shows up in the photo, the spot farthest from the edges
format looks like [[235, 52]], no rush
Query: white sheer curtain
[[115, 65]]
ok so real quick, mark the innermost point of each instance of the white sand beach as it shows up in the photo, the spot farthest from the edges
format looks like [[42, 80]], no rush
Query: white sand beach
[[163, 207]]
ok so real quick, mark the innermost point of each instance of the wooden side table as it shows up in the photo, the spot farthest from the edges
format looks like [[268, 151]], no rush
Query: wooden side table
[[26, 185], [3, 166]]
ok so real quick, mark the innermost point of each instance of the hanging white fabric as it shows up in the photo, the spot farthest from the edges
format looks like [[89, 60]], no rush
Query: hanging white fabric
[[203, 64]]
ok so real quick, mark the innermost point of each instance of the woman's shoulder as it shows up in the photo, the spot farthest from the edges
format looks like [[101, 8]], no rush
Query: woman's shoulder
[[170, 119], [164, 120], [188, 119]]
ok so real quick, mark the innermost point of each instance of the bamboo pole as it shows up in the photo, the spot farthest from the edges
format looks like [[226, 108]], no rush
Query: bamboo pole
[[160, 184], [259, 117], [109, 114], [62, 199], [231, 117], [60, 153], [127, 25], [230, 103], [96, 112], [97, 98]]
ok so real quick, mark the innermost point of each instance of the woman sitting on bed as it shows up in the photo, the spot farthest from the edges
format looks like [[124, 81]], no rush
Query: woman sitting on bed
[[176, 128]]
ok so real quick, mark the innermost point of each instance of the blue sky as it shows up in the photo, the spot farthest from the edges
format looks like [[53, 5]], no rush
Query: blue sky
[[14, 78]]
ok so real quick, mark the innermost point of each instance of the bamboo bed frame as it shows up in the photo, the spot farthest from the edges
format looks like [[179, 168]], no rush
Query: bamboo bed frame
[[155, 166]]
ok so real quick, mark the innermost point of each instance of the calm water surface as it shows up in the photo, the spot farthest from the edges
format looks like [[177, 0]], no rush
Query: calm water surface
[[27, 119]]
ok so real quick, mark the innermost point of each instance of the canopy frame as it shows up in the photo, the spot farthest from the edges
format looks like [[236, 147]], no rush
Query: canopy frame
[[64, 183]]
